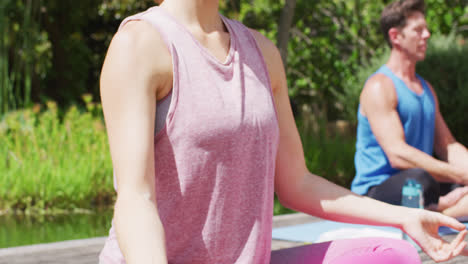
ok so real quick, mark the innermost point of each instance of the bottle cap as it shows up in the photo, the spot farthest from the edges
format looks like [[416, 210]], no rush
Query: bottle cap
[[410, 191], [411, 181]]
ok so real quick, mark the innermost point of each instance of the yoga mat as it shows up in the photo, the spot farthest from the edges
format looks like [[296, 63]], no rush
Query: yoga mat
[[320, 231], [443, 230], [329, 230]]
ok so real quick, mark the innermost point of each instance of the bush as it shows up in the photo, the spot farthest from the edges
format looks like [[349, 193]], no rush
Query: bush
[[53, 162], [331, 157], [354, 84], [445, 68]]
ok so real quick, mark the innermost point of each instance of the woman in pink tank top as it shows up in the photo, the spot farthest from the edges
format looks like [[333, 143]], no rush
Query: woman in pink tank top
[[200, 188]]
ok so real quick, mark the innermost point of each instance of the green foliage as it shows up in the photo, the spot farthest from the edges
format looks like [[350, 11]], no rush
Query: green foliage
[[54, 49], [446, 68], [261, 15], [54, 163], [329, 40], [349, 98], [69, 30], [447, 16], [331, 157], [23, 52], [327, 43]]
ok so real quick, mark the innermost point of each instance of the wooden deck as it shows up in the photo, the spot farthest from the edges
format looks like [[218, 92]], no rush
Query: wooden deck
[[86, 251]]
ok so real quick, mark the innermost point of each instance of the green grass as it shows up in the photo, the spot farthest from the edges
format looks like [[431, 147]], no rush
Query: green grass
[[51, 162], [331, 157]]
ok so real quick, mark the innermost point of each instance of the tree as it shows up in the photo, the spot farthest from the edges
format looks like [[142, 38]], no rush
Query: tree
[[286, 19]]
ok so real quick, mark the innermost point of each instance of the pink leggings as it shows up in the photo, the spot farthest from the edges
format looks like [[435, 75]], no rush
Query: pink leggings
[[350, 251]]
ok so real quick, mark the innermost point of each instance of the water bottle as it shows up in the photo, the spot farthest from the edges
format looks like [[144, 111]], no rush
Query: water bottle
[[412, 196]]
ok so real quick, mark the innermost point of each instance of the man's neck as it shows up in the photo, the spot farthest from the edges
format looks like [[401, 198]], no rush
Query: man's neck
[[200, 14], [401, 65]]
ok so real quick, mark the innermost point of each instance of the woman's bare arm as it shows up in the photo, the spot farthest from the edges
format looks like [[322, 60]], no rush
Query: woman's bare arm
[[136, 69]]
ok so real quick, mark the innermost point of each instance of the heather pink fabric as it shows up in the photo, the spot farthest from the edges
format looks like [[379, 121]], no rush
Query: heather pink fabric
[[350, 251], [215, 159]]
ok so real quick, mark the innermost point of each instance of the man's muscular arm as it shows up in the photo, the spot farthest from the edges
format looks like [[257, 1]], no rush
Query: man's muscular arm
[[378, 104], [445, 145]]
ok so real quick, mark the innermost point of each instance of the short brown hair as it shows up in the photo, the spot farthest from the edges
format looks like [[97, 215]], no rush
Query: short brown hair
[[396, 13]]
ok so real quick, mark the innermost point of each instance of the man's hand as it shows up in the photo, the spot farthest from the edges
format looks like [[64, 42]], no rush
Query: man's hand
[[423, 226], [460, 174], [451, 198]]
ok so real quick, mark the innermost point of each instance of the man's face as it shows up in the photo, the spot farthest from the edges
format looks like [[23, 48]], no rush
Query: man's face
[[412, 38]]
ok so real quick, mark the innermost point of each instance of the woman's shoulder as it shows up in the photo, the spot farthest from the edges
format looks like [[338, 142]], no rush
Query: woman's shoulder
[[140, 38], [272, 58], [139, 46]]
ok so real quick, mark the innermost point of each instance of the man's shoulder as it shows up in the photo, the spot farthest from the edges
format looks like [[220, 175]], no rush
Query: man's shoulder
[[379, 83], [378, 93]]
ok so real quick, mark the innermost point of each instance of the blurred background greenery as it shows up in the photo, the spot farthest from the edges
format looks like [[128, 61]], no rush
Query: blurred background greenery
[[52, 136]]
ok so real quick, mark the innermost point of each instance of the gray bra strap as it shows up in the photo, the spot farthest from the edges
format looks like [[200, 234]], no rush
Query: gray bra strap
[[162, 108]]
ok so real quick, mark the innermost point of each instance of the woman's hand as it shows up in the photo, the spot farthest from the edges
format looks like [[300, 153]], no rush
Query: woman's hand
[[423, 227]]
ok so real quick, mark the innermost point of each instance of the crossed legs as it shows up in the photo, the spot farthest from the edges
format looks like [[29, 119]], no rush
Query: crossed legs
[[350, 251]]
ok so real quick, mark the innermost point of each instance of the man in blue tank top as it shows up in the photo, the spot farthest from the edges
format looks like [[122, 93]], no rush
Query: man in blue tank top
[[400, 124]]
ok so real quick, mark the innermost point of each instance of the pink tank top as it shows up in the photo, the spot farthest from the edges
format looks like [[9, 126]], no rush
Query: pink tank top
[[215, 157]]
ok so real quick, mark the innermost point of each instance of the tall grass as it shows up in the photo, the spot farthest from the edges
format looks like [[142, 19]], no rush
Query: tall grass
[[16, 52], [331, 157], [52, 161]]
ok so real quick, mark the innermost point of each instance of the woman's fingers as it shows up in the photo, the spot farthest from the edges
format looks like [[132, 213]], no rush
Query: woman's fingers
[[446, 251], [434, 245], [451, 222], [460, 249], [464, 252], [440, 255], [456, 244]]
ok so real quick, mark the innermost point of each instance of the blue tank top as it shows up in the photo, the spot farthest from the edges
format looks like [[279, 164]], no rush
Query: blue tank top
[[417, 115]]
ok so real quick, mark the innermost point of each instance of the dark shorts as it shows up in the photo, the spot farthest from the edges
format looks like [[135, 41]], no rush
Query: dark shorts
[[389, 191]]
